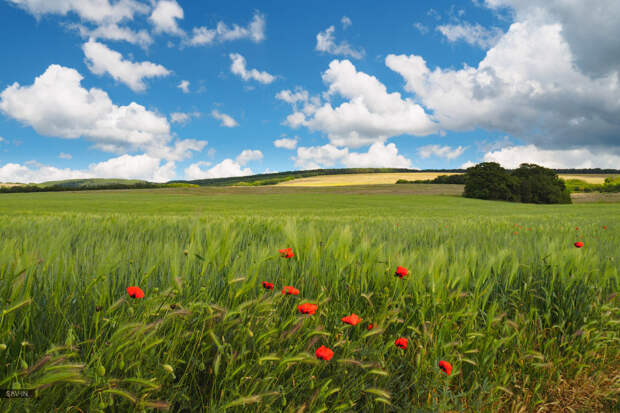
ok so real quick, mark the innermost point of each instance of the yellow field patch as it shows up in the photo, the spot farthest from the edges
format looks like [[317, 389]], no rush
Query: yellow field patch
[[591, 179], [363, 179]]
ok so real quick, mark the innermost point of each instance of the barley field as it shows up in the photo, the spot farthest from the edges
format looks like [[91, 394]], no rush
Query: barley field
[[499, 292]]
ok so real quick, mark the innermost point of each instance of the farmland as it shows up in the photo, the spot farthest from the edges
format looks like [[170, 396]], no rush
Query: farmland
[[527, 320]]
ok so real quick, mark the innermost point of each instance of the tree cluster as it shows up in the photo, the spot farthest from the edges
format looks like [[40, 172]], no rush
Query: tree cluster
[[529, 183]]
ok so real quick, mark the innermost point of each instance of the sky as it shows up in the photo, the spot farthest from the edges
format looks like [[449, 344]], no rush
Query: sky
[[170, 89]]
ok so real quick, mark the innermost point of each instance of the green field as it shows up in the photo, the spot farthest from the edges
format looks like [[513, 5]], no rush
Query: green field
[[528, 321]]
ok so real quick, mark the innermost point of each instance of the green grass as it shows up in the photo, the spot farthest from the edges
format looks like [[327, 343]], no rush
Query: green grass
[[526, 319]]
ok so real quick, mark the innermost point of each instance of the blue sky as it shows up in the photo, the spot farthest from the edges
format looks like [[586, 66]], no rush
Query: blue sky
[[166, 89]]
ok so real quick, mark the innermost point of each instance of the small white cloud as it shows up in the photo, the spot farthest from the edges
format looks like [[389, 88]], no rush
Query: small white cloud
[[474, 34], [184, 86], [99, 11], [182, 117], [112, 31], [63, 155], [446, 152], [238, 67], [285, 143], [468, 164], [226, 120], [255, 31], [325, 42], [346, 22], [101, 60], [249, 155], [202, 36], [164, 17], [421, 27]]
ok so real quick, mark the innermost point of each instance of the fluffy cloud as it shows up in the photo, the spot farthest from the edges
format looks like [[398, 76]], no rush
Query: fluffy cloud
[[440, 151], [226, 168], [513, 156], [97, 11], [255, 31], [124, 167], [474, 34], [57, 105], [184, 86], [325, 42], [238, 67], [225, 120], [249, 155], [527, 86], [378, 156], [164, 17], [101, 60], [285, 143], [182, 117], [113, 31], [369, 114]]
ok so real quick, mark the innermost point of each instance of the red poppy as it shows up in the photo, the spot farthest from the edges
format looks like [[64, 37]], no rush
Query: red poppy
[[290, 290], [135, 292], [445, 367], [402, 343], [604, 227], [515, 233], [267, 286], [287, 253], [578, 244], [576, 228], [370, 326], [401, 272], [307, 308], [352, 319], [324, 353]]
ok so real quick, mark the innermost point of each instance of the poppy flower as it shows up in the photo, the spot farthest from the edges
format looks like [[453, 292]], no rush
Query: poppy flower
[[576, 228], [445, 367], [324, 353], [287, 253], [290, 290], [515, 232], [307, 308], [604, 226], [267, 286], [135, 292], [578, 244], [352, 319], [402, 343], [370, 326], [401, 272]]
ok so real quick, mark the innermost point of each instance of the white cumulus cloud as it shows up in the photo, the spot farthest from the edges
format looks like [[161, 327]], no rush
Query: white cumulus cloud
[[98, 11], [325, 42], [238, 67], [285, 143], [249, 155], [225, 120], [101, 60], [379, 155], [226, 168], [446, 152], [184, 86], [255, 31], [474, 34], [164, 17], [512, 157]]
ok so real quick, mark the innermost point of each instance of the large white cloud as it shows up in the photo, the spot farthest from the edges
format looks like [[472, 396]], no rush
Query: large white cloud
[[98, 11], [378, 156], [226, 168], [101, 60], [238, 67], [369, 114], [57, 105], [325, 42], [527, 85], [125, 167], [512, 157]]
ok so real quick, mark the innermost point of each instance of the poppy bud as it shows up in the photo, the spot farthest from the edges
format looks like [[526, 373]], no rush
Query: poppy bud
[[173, 306], [2, 346], [101, 370]]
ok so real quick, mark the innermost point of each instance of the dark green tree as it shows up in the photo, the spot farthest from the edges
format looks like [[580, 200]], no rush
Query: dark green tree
[[488, 180], [539, 185]]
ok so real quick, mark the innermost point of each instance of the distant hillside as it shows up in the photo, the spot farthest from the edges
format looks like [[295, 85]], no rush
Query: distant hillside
[[90, 183], [278, 177]]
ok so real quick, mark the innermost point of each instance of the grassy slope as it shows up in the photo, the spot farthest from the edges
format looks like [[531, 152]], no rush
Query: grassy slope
[[73, 183]]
